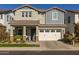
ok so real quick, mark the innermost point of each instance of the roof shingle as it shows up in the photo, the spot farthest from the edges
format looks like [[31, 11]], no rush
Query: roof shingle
[[24, 22], [52, 25]]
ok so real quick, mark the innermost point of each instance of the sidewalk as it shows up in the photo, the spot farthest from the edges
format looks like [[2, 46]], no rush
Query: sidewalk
[[35, 49]]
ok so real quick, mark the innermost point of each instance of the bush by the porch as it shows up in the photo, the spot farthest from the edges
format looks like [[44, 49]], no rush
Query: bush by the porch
[[18, 38]]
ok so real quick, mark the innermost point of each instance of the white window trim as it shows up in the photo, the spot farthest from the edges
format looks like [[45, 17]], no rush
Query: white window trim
[[27, 13], [53, 16]]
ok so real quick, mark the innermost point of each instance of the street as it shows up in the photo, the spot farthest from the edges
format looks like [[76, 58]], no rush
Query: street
[[39, 52]]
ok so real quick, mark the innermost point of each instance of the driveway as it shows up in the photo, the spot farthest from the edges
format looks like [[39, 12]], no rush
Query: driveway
[[55, 45]]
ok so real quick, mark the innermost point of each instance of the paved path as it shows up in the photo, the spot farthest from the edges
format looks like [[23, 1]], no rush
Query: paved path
[[55, 45]]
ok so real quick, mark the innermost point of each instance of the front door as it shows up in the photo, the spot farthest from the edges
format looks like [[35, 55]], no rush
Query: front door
[[18, 31]]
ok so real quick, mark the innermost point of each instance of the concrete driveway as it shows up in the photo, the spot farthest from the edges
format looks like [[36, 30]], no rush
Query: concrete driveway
[[55, 45]]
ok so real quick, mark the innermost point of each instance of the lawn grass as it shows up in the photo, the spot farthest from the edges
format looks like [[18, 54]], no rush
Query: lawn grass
[[19, 45]]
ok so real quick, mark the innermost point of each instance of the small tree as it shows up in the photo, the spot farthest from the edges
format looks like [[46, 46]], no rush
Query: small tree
[[4, 36], [70, 38]]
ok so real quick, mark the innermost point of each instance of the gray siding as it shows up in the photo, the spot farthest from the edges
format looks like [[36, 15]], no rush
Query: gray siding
[[70, 26], [49, 19]]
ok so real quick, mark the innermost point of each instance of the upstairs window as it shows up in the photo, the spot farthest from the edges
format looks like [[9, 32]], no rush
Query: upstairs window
[[14, 13], [68, 19], [55, 16], [39, 12], [27, 14], [9, 18], [22, 14], [30, 14], [1, 16]]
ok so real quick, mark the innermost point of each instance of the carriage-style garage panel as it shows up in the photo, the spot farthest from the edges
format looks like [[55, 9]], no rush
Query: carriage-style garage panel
[[49, 34]]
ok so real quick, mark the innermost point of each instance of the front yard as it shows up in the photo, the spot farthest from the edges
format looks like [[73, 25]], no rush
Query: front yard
[[19, 45]]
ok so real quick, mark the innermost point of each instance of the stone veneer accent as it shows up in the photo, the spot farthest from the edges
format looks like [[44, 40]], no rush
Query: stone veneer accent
[[11, 38], [37, 39]]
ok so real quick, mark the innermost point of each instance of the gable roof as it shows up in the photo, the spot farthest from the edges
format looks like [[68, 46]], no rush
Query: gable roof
[[56, 8], [73, 11], [40, 9], [29, 6], [5, 11]]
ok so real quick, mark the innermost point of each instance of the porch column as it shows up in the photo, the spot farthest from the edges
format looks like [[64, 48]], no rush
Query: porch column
[[24, 33], [37, 33], [11, 34], [63, 32]]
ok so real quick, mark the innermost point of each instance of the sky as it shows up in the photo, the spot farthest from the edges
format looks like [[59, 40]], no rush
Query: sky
[[45, 6]]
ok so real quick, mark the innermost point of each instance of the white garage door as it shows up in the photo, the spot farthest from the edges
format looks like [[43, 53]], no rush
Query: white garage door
[[49, 34]]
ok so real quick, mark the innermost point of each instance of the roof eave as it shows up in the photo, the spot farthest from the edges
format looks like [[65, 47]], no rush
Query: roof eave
[[56, 9], [27, 6]]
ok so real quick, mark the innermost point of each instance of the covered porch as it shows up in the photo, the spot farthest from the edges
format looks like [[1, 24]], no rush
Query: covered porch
[[27, 29]]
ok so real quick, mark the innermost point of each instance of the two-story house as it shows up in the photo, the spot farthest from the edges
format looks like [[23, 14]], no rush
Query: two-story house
[[5, 19], [35, 24]]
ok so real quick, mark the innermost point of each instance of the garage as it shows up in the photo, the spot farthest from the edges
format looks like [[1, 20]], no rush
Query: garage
[[49, 34]]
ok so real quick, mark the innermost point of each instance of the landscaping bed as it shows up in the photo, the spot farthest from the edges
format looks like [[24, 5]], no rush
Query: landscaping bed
[[19, 45]]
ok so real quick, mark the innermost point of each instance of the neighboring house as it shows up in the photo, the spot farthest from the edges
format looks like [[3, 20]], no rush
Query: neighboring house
[[71, 18], [5, 19], [38, 24]]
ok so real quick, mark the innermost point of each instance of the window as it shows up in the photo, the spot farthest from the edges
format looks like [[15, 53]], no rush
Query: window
[[1, 16], [39, 12], [68, 19], [46, 30], [27, 14], [30, 14], [41, 30], [7, 17], [14, 13], [22, 14], [52, 30], [18, 30], [58, 30], [55, 16]]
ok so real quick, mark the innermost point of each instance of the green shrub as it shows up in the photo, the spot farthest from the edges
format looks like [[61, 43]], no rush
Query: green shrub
[[66, 37], [18, 37], [19, 45], [69, 37]]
